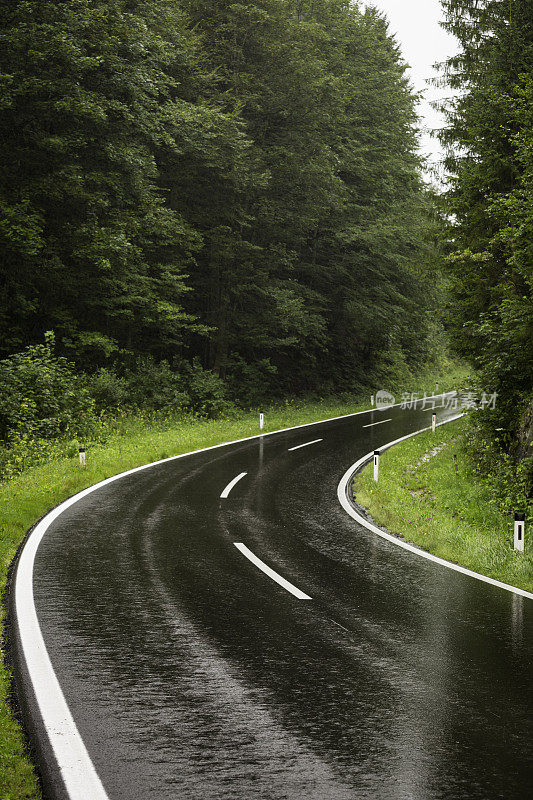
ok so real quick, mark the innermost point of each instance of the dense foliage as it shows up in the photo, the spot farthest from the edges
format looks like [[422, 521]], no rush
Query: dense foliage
[[42, 396], [490, 203], [207, 199]]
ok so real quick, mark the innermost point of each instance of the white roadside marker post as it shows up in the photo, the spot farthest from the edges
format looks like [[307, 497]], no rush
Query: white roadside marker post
[[433, 422], [376, 465], [261, 421], [519, 531], [436, 387], [371, 399], [82, 456]]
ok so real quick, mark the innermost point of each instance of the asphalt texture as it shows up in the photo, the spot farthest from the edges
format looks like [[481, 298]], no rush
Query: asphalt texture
[[191, 674]]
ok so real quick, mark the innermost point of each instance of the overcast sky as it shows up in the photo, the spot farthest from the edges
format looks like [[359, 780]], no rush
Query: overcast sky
[[415, 24]]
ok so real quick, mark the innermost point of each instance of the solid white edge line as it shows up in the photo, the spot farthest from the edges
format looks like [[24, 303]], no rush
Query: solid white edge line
[[75, 766], [73, 760], [306, 444], [381, 421], [342, 493], [232, 483], [290, 587]]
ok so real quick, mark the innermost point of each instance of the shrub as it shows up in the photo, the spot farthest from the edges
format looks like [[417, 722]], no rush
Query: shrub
[[511, 481], [207, 392], [156, 386], [254, 383], [42, 397], [153, 386], [108, 390]]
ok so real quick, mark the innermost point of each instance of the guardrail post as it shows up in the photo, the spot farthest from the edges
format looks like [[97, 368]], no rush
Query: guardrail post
[[519, 531]]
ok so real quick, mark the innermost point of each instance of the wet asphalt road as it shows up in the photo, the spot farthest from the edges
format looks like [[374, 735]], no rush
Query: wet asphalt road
[[191, 674]]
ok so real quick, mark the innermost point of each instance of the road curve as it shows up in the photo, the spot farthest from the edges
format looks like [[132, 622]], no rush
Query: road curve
[[220, 628]]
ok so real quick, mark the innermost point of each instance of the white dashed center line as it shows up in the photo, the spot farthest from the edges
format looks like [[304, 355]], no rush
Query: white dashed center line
[[232, 483], [377, 423], [270, 572], [306, 444]]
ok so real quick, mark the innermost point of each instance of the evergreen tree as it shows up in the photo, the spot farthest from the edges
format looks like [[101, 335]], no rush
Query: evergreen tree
[[333, 228], [235, 183], [91, 90], [490, 203], [374, 241]]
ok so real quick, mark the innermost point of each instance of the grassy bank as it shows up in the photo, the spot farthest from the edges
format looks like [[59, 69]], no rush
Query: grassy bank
[[130, 442], [420, 496]]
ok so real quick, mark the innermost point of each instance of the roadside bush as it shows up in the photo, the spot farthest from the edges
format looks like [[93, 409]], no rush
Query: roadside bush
[[511, 481], [153, 386], [42, 397], [108, 390], [252, 384], [206, 391]]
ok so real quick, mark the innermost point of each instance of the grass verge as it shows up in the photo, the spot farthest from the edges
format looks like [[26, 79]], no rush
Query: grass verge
[[420, 497], [131, 442]]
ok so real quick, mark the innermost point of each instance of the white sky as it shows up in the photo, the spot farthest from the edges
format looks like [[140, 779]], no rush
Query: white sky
[[415, 23]]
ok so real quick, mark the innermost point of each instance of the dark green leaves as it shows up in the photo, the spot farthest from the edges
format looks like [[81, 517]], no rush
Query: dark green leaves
[[235, 183], [491, 203]]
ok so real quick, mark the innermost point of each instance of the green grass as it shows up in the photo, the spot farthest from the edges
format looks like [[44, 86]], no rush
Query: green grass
[[132, 441], [451, 515]]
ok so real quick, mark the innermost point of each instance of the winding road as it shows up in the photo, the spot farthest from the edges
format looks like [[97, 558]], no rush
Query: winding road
[[221, 629]]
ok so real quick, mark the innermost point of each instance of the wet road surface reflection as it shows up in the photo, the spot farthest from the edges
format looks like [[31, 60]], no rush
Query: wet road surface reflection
[[191, 674]]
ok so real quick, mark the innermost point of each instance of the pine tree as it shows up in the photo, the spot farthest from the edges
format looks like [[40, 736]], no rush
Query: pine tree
[[90, 92], [490, 203]]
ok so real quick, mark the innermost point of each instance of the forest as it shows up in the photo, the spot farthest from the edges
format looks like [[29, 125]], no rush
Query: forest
[[215, 186], [205, 204], [488, 238]]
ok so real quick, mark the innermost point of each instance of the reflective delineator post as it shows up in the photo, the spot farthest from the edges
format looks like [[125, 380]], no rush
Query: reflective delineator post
[[436, 387], [433, 422], [519, 531], [261, 421], [376, 465], [371, 399], [82, 456]]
